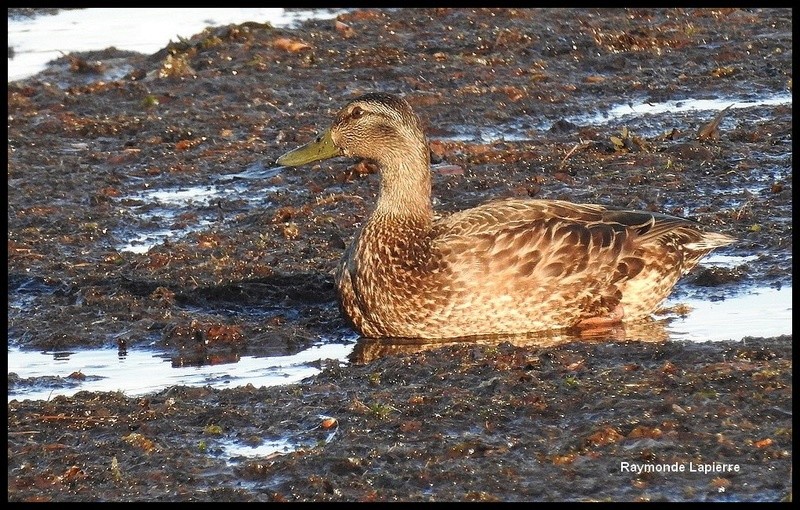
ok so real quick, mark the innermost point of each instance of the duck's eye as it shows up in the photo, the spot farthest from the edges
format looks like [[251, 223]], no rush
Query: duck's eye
[[356, 112]]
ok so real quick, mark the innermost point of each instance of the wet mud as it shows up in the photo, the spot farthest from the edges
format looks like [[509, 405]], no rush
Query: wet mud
[[249, 271]]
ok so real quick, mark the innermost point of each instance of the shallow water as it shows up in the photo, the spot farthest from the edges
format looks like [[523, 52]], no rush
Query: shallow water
[[232, 449], [123, 28], [166, 213], [647, 118], [758, 312], [143, 371], [628, 111]]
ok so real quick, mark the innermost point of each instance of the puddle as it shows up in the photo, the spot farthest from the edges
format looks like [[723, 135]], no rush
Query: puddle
[[36, 41], [719, 315], [519, 130], [759, 312], [166, 213], [638, 116], [623, 111], [234, 451], [722, 260], [140, 372], [162, 209]]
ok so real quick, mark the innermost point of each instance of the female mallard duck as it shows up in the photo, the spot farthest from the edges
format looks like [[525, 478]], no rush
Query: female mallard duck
[[506, 267]]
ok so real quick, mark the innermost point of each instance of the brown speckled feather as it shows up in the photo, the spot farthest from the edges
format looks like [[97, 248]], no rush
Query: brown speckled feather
[[506, 267]]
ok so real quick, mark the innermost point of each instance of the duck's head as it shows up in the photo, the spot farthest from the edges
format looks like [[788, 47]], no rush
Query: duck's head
[[377, 126]]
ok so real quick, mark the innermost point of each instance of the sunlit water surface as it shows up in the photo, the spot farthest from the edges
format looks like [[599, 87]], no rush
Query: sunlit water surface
[[36, 41]]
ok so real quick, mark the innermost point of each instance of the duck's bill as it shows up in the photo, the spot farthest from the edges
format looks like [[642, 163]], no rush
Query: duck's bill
[[321, 148]]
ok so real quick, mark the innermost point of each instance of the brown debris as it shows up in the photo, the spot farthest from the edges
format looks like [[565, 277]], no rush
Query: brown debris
[[290, 45], [710, 131], [344, 29]]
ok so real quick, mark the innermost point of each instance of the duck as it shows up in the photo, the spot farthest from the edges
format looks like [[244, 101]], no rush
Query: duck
[[506, 267]]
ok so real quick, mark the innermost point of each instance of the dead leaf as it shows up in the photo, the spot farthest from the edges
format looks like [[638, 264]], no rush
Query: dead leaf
[[710, 131], [223, 333], [605, 436], [720, 483], [763, 443], [290, 45], [328, 422], [594, 79], [445, 169], [73, 474], [563, 460], [344, 29], [642, 431]]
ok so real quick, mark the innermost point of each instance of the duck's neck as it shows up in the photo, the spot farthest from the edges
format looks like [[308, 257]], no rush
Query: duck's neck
[[405, 190]]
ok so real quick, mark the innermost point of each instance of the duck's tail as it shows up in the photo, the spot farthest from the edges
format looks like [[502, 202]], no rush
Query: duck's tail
[[710, 240]]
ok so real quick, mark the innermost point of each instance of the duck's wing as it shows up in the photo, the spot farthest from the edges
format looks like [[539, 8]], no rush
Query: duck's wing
[[542, 240], [497, 218], [580, 256], [506, 214]]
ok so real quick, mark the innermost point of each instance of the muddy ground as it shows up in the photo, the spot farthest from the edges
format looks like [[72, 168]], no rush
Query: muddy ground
[[502, 420]]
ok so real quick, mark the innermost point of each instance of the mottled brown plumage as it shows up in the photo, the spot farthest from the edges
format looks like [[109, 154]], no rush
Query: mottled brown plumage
[[506, 267]]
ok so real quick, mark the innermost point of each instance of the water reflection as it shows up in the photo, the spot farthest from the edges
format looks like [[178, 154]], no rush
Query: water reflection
[[367, 350], [201, 359]]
